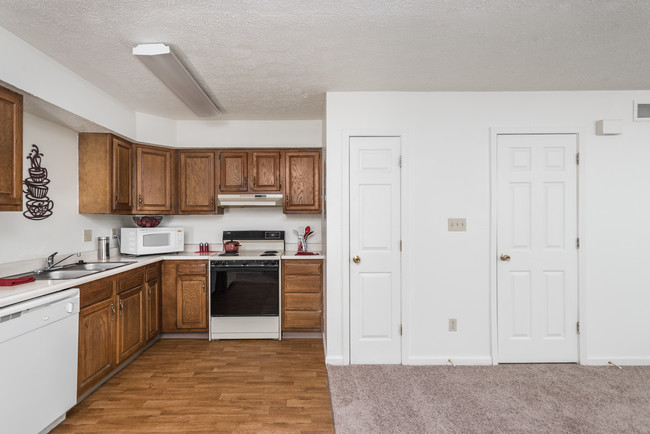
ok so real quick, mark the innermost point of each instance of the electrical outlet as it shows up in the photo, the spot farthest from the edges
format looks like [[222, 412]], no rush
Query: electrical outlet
[[114, 232], [88, 235], [457, 224], [453, 324]]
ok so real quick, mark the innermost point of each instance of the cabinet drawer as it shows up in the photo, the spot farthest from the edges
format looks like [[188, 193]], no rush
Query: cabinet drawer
[[192, 268], [152, 272], [303, 267], [94, 292], [302, 283], [130, 280], [302, 320], [298, 301]]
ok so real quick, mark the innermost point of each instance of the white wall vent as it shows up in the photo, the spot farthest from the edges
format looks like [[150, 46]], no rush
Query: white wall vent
[[641, 111]]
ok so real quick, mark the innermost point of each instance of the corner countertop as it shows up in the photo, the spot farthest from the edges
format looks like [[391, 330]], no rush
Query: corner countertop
[[291, 254], [15, 294]]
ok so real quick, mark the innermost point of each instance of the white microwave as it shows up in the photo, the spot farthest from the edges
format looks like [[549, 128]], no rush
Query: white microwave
[[151, 241]]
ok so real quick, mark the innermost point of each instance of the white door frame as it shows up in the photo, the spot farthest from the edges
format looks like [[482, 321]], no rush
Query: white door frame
[[345, 239], [579, 132]]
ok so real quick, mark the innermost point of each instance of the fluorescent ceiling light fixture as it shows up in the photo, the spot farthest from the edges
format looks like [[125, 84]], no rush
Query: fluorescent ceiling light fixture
[[165, 65]]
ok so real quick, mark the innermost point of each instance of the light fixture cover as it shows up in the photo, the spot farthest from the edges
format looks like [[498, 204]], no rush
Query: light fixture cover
[[160, 60]]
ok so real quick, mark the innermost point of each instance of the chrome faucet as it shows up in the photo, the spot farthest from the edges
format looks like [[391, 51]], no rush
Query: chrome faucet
[[51, 263]]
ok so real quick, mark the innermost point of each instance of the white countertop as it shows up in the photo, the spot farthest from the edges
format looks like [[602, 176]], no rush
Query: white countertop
[[291, 254], [15, 294]]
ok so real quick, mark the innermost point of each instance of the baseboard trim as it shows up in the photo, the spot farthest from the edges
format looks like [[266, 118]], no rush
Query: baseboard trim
[[334, 360], [620, 361], [456, 360]]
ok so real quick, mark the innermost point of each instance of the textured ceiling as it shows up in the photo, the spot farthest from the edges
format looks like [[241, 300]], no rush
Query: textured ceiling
[[276, 59]]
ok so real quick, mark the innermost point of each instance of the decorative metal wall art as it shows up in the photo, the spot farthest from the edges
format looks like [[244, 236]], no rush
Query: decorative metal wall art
[[39, 206]]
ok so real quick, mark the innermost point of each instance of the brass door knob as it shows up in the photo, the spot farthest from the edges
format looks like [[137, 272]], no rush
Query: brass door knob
[[504, 257], [356, 259]]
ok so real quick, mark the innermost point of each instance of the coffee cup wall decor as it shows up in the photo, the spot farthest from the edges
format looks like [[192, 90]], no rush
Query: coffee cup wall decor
[[38, 205]]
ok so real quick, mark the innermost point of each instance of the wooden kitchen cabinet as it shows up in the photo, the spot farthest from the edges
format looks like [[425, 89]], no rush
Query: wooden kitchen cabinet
[[197, 182], [153, 181], [233, 169], [153, 292], [96, 333], [303, 181], [11, 150], [185, 296], [302, 295], [131, 328], [130, 324], [105, 174], [250, 171]]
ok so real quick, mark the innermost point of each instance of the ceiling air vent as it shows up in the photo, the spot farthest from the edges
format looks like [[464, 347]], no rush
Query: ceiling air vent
[[641, 112]]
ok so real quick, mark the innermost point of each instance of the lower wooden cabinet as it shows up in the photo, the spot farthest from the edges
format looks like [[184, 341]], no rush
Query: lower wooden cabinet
[[302, 295], [131, 322], [112, 325], [153, 292], [185, 296], [96, 344]]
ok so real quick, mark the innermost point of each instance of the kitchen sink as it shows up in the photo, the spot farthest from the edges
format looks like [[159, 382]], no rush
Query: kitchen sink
[[96, 266], [72, 271]]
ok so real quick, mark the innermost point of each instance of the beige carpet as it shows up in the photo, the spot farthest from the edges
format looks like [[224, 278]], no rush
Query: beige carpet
[[554, 398]]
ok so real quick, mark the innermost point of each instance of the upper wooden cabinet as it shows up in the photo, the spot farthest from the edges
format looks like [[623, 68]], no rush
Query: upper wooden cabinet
[[233, 167], [196, 182], [105, 174], [153, 185], [265, 170], [250, 171], [11, 150], [303, 182]]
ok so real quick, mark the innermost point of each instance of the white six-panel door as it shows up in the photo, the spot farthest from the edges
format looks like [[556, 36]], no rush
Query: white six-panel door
[[375, 250], [537, 265]]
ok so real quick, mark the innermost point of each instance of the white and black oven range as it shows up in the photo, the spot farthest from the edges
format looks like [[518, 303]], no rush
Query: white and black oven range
[[245, 287]]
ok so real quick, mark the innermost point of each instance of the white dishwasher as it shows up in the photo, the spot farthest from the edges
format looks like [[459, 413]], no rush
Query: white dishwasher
[[38, 361]]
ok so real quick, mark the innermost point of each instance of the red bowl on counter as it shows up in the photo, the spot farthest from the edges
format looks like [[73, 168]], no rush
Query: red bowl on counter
[[147, 221]]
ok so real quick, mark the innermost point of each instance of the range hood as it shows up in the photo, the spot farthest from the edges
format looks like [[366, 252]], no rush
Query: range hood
[[270, 199]]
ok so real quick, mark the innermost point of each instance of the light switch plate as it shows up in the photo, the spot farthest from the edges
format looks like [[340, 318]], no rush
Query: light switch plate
[[453, 324], [114, 232], [88, 235], [457, 224]]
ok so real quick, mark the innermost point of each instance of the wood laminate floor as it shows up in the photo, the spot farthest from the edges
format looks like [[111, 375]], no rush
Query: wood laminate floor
[[185, 385]]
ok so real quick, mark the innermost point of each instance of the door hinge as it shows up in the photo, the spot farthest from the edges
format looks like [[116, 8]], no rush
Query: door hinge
[[578, 327], [401, 330], [400, 161], [577, 243], [578, 158], [400, 245]]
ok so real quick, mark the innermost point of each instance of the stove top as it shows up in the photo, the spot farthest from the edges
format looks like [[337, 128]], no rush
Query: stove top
[[254, 244]]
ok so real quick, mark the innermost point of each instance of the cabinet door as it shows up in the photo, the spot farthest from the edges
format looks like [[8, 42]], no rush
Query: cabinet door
[[11, 150], [130, 324], [153, 180], [233, 169], [302, 188], [96, 344], [122, 163], [153, 308], [192, 302], [196, 182], [265, 171]]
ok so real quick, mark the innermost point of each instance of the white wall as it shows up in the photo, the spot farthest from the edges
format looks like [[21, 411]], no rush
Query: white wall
[[21, 238], [30, 70], [269, 134], [446, 149]]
